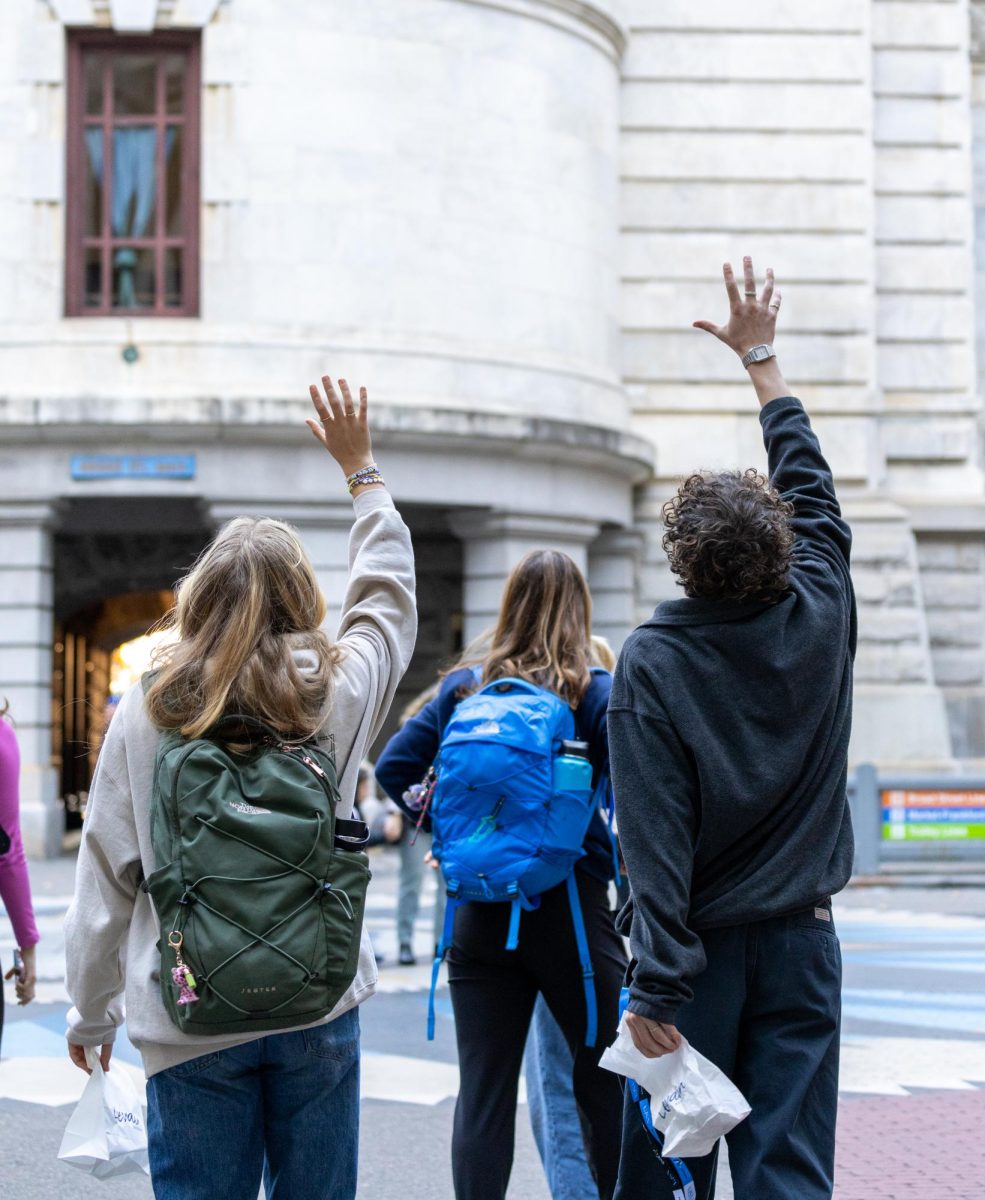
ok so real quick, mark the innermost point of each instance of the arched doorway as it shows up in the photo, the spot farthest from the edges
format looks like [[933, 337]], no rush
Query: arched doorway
[[116, 563]]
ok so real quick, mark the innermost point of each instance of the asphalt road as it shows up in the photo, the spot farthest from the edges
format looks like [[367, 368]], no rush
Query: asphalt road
[[914, 1035]]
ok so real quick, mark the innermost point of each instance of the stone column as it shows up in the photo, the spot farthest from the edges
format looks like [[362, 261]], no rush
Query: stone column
[[324, 530], [494, 542], [613, 561], [899, 719], [26, 635]]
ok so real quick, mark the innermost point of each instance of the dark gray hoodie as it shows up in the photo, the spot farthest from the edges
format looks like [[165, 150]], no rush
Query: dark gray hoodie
[[728, 734]]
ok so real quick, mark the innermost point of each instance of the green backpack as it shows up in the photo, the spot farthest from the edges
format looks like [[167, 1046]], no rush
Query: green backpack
[[260, 889]]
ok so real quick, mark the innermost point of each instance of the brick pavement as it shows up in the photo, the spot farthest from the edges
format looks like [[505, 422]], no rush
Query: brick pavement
[[920, 1147]]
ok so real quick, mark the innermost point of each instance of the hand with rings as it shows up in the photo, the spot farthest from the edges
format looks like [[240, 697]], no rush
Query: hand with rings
[[752, 316], [341, 427]]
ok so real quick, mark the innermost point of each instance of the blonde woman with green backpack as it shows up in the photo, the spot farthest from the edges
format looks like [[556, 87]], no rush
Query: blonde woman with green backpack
[[221, 879]]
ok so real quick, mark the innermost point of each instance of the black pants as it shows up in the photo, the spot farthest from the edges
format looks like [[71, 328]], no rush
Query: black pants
[[767, 1011], [493, 992]]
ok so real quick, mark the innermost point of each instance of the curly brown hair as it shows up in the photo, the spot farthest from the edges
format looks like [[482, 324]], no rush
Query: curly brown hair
[[728, 536]]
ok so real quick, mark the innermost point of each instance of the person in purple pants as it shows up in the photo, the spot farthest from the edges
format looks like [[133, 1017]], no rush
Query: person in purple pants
[[15, 888]]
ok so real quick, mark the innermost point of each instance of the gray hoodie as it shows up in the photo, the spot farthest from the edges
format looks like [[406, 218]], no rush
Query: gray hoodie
[[111, 930]]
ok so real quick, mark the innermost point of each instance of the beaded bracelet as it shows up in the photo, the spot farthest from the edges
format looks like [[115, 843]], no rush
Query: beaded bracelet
[[365, 481], [371, 469]]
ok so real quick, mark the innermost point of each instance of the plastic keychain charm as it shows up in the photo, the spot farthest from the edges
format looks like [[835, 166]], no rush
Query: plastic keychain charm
[[181, 974]]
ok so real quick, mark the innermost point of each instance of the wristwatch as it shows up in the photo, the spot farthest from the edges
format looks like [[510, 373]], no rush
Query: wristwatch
[[758, 353]]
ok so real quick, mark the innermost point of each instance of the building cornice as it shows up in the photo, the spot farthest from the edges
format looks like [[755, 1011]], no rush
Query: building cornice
[[597, 23], [593, 22], [256, 421], [135, 16]]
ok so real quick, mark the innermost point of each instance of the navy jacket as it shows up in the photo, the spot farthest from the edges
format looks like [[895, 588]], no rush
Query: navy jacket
[[728, 729], [414, 748]]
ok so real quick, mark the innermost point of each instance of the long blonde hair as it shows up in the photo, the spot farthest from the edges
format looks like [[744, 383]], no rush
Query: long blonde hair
[[544, 629], [250, 601]]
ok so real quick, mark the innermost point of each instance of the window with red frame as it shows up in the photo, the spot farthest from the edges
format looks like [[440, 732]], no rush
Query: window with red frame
[[132, 190]]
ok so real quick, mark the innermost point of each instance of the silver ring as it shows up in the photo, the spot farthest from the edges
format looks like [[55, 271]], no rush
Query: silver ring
[[775, 305], [752, 294]]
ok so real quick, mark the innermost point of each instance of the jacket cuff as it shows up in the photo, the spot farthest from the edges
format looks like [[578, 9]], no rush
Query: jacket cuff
[[779, 405], [666, 1014], [90, 1039], [91, 1033], [365, 501]]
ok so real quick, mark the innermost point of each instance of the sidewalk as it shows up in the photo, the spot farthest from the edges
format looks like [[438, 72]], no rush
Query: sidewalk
[[913, 1147]]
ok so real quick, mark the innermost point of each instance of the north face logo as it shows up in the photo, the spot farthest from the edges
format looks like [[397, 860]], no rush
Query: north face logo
[[487, 729], [247, 809]]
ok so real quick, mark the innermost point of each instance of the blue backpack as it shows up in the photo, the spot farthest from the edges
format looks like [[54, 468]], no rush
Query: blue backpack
[[501, 831]]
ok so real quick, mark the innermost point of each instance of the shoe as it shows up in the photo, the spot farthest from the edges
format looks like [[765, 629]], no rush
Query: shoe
[[406, 958]]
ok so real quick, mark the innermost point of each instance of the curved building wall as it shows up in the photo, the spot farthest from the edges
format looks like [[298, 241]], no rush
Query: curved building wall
[[422, 193]]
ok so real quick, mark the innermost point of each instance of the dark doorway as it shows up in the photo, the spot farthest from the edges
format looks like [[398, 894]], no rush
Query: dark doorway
[[116, 563]]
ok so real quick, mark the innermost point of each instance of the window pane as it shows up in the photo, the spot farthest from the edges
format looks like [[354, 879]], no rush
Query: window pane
[[133, 278], [174, 152], [134, 181], [92, 279], [173, 281], [93, 185], [174, 82], [93, 72], [134, 84]]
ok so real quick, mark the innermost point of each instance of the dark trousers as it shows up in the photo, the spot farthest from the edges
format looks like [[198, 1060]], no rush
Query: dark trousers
[[767, 1011], [493, 991]]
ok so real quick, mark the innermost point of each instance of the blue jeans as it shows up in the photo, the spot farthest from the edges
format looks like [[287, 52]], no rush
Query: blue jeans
[[767, 1012], [284, 1107], [553, 1111], [413, 873]]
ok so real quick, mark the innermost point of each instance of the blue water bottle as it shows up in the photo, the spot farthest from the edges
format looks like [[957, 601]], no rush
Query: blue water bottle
[[572, 768]]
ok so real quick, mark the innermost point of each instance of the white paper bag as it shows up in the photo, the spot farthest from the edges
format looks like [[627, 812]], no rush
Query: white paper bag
[[106, 1135], [692, 1103]]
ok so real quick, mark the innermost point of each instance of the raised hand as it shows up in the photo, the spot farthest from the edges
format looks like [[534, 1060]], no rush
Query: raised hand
[[752, 317], [342, 428]]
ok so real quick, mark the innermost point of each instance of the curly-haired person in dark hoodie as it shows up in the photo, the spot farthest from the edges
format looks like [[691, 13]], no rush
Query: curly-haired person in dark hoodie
[[728, 735]]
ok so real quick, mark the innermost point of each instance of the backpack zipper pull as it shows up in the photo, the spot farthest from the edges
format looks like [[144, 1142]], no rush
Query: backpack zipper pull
[[310, 762], [305, 758]]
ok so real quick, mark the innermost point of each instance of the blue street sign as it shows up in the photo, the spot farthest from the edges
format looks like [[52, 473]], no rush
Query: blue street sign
[[133, 466]]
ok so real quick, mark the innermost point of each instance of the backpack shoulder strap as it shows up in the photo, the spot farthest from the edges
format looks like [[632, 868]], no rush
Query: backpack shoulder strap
[[585, 957], [447, 932]]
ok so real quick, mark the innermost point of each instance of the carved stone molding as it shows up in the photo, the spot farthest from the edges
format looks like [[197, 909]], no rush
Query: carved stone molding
[[596, 22], [136, 16]]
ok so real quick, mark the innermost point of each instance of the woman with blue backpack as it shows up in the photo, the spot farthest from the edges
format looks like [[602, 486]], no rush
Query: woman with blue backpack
[[519, 749], [221, 879]]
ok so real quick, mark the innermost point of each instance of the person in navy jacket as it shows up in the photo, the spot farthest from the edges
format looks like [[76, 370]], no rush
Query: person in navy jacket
[[543, 635]]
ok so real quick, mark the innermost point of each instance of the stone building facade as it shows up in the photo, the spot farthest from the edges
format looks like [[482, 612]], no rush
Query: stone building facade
[[502, 215]]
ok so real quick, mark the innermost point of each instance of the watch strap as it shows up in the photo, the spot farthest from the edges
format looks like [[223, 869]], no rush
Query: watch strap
[[758, 353]]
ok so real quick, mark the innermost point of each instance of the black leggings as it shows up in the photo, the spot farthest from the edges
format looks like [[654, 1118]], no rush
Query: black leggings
[[493, 991]]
